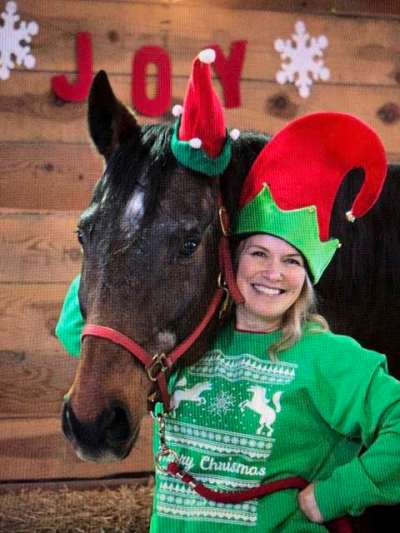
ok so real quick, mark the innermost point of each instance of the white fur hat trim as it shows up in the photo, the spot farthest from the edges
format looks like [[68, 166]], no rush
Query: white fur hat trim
[[234, 134], [177, 110], [195, 143], [207, 56]]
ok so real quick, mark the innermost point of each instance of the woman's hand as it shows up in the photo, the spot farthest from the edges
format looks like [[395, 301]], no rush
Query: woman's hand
[[308, 504]]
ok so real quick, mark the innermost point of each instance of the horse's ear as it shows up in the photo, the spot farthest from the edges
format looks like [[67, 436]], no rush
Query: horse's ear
[[110, 122]]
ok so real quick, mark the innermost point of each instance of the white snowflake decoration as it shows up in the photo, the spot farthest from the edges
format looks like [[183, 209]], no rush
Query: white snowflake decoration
[[13, 41], [223, 404], [302, 56]]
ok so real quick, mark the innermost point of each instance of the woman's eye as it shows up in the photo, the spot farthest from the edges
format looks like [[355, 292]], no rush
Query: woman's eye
[[189, 247], [258, 253], [292, 261]]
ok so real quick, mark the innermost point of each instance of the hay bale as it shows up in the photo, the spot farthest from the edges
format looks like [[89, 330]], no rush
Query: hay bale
[[125, 509]]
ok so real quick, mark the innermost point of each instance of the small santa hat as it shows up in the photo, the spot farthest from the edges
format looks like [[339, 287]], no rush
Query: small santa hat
[[292, 185], [200, 139]]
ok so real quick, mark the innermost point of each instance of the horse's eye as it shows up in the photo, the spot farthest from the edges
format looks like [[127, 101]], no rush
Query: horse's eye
[[189, 247]]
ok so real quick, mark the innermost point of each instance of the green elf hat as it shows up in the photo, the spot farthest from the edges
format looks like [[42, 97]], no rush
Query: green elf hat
[[200, 140], [292, 185]]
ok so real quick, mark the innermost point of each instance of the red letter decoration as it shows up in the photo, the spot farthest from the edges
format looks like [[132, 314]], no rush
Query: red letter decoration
[[229, 71], [78, 91], [158, 105]]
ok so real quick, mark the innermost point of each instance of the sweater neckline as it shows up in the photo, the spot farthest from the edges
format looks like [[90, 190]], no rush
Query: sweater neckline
[[248, 331]]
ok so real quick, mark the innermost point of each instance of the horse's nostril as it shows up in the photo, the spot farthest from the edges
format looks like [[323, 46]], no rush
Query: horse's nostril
[[110, 431], [117, 427]]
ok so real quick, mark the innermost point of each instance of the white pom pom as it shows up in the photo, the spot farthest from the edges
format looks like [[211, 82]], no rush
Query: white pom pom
[[195, 143], [350, 217], [207, 56], [234, 134], [177, 110]]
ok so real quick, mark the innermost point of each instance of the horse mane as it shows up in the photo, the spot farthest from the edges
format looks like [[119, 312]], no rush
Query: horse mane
[[153, 147], [244, 152]]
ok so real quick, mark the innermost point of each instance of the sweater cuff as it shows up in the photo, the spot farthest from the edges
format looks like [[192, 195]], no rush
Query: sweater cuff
[[348, 491]]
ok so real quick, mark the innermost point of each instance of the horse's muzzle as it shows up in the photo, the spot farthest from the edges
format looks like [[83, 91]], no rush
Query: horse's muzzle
[[108, 438]]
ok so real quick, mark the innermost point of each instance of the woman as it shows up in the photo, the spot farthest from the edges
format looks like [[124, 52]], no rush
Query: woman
[[277, 394]]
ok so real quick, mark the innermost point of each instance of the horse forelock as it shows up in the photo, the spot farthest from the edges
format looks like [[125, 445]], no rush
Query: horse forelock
[[130, 185]]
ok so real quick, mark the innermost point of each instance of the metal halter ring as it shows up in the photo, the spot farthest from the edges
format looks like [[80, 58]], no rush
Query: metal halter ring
[[158, 365], [165, 452]]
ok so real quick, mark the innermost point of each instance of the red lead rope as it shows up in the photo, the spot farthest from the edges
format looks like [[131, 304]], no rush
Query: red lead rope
[[340, 525]]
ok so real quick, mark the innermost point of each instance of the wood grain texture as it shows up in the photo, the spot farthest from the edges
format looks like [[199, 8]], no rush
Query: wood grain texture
[[363, 8], [35, 371], [265, 107], [38, 247], [361, 50], [36, 449], [48, 175]]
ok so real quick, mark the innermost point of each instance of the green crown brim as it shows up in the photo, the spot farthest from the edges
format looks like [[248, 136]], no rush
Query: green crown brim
[[197, 159], [298, 227]]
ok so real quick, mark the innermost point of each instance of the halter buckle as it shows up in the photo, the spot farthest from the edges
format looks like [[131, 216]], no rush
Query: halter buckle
[[159, 364]]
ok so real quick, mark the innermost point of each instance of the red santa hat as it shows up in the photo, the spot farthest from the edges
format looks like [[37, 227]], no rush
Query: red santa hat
[[200, 139]]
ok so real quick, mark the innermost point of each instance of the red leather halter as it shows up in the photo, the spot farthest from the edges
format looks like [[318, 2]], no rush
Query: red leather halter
[[156, 365]]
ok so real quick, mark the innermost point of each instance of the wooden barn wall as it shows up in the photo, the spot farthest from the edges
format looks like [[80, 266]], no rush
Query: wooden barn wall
[[48, 167]]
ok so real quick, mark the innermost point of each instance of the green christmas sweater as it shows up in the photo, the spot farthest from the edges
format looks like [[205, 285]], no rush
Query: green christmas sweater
[[327, 411], [240, 420]]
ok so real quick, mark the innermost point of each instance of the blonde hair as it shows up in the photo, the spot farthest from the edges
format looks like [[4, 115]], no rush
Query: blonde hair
[[303, 310]]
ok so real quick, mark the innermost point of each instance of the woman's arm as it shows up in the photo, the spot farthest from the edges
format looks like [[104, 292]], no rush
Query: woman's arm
[[363, 403]]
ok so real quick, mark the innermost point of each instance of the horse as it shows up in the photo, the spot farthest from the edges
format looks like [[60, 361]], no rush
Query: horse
[[150, 266], [259, 404], [150, 263]]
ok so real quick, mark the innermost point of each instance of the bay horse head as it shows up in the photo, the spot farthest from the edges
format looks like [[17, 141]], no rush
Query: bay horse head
[[150, 267]]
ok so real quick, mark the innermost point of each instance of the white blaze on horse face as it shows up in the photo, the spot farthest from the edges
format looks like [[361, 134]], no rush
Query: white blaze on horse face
[[134, 211]]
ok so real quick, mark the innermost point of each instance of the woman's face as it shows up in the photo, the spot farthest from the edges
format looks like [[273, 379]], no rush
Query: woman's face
[[271, 274]]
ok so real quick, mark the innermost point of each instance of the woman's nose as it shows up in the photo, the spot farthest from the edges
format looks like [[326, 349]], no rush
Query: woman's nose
[[274, 275], [273, 272]]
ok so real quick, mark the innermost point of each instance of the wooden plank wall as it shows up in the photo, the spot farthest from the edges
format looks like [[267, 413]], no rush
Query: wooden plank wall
[[48, 167]]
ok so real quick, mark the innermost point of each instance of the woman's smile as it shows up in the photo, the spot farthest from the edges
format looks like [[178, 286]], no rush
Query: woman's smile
[[267, 290], [270, 276]]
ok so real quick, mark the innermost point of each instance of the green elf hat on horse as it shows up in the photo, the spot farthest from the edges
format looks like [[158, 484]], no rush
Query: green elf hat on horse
[[200, 140], [291, 187]]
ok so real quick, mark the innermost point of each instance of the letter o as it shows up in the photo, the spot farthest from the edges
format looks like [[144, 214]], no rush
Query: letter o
[[152, 107]]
